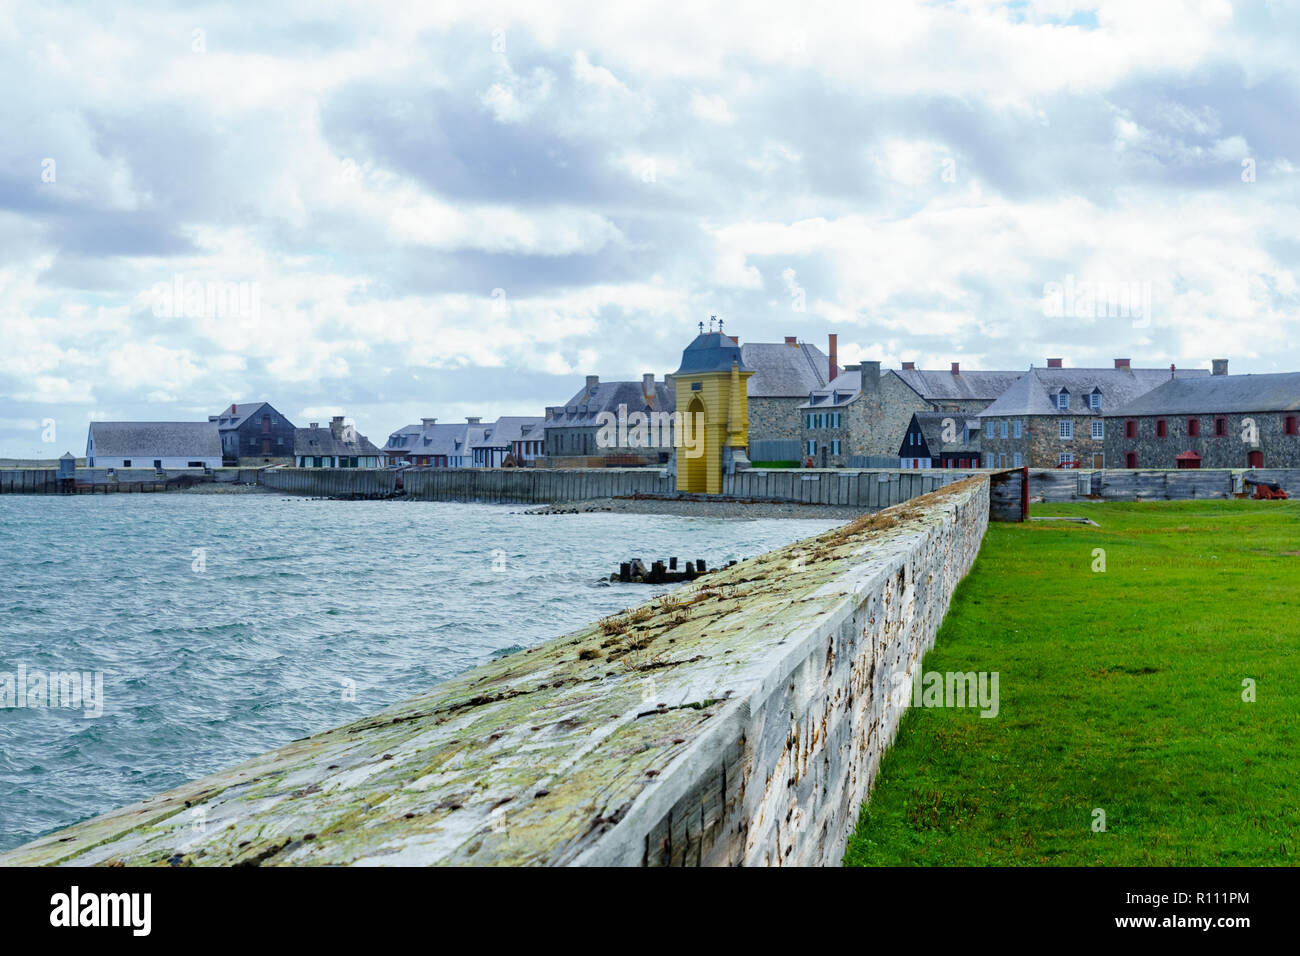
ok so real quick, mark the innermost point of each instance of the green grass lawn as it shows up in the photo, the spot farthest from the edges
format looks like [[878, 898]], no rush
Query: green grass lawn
[[1119, 690]]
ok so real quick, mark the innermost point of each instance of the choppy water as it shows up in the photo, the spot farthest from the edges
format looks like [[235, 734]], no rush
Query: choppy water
[[297, 598]]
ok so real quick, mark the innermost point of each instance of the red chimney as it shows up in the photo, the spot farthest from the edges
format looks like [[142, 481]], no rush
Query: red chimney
[[834, 358], [232, 408], [1123, 363], [956, 368], [791, 340], [1171, 370], [909, 366], [1053, 363]]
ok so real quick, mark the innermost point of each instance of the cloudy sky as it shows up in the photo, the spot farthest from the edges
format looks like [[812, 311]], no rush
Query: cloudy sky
[[445, 209]]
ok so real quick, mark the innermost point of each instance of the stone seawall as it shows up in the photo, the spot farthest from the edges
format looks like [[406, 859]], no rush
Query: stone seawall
[[739, 719], [869, 490]]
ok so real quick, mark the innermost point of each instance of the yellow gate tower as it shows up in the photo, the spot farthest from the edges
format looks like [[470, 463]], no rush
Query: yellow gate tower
[[714, 406]]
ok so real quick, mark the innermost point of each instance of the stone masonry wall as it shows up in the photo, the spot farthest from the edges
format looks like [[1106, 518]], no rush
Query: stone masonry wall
[[740, 719], [1277, 449]]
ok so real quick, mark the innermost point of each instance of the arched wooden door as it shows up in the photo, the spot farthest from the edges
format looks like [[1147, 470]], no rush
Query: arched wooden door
[[696, 468]]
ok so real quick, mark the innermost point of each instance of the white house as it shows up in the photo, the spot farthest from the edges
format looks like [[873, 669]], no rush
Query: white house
[[153, 445]]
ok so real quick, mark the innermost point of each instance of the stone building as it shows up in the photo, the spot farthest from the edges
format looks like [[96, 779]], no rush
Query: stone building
[[865, 413], [577, 434], [1055, 417], [785, 373], [1217, 421]]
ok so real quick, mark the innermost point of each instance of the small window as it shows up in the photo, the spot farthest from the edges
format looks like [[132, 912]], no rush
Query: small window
[[1292, 425], [1018, 460], [1220, 426], [1065, 429], [1094, 401], [988, 460], [1193, 427], [1017, 428], [1131, 428], [1130, 459], [988, 428], [1098, 429], [1066, 459], [1063, 400], [812, 447], [157, 462], [1162, 428], [835, 446], [1005, 427], [126, 462]]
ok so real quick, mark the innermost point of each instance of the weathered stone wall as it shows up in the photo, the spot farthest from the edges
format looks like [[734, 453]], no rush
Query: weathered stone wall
[[1040, 444], [739, 720], [1232, 450], [775, 419], [874, 423]]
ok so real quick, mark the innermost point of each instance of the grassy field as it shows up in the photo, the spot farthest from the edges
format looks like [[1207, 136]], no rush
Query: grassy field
[[1120, 690]]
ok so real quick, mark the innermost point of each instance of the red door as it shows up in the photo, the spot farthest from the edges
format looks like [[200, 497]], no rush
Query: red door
[[1256, 459], [1130, 459]]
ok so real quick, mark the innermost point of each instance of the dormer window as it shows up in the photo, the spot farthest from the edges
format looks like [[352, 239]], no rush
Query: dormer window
[[1094, 401], [1063, 400]]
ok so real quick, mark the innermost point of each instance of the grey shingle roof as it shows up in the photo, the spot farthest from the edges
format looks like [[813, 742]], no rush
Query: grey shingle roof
[[512, 428], [1034, 392], [449, 439], [711, 352], [836, 394], [784, 371], [156, 439], [403, 439], [321, 441], [588, 403], [932, 426], [1271, 392], [225, 420], [938, 385]]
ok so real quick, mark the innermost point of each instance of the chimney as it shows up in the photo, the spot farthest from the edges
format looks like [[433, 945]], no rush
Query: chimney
[[1219, 367], [870, 376], [473, 421], [593, 381], [1123, 363], [1172, 370], [834, 364], [648, 384], [909, 366], [426, 422], [232, 409], [315, 424], [792, 341], [336, 426], [1053, 363], [956, 368]]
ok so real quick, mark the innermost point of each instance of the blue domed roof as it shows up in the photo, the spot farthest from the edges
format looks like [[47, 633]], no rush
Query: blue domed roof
[[711, 352]]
